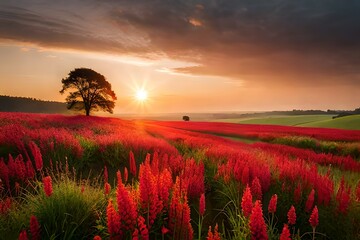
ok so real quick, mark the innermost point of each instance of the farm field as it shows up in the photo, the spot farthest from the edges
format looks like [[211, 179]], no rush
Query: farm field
[[326, 121], [78, 177]]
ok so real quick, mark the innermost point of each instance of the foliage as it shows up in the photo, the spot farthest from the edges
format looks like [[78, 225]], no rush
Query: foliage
[[91, 91]]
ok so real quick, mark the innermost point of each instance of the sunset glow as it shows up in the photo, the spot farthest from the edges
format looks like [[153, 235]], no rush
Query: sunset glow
[[206, 56]]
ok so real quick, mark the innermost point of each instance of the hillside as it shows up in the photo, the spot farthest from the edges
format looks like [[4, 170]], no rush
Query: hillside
[[348, 122], [30, 105], [326, 121]]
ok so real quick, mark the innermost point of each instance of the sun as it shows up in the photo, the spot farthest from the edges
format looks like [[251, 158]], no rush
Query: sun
[[141, 95]]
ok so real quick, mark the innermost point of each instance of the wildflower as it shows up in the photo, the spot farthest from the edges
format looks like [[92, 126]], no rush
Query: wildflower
[[107, 188], [245, 175], [118, 176], [132, 164], [310, 201], [164, 230], [314, 218], [23, 235], [126, 207], [272, 204], [215, 235], [106, 175], [125, 174], [297, 193], [34, 228], [143, 229], [285, 234], [256, 188], [202, 204], [35, 151], [30, 172], [48, 186], [257, 223], [113, 219], [97, 237], [358, 192], [291, 215], [246, 202]]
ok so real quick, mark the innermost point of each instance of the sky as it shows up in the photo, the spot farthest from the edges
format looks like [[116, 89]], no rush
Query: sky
[[190, 56]]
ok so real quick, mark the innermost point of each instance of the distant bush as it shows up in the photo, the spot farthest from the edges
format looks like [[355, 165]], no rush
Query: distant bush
[[186, 118]]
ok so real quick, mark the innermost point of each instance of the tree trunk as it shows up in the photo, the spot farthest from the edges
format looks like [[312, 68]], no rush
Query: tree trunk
[[87, 112]]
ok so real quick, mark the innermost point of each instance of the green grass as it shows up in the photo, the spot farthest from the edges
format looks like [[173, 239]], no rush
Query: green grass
[[348, 122], [287, 120], [326, 121]]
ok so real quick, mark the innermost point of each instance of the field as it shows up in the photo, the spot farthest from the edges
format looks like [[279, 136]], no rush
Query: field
[[106, 178], [326, 121]]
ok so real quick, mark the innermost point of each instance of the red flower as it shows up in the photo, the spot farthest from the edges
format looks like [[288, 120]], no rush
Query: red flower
[[257, 223], [126, 207], [358, 192], [34, 228], [314, 218], [149, 196], [256, 188], [285, 234], [215, 236], [297, 193], [246, 202], [35, 151], [113, 220], [106, 175], [164, 230], [48, 186], [132, 164], [97, 237], [245, 175], [292, 215], [23, 235], [143, 229], [126, 174], [202, 204], [30, 172], [107, 188], [272, 204], [310, 201], [343, 197]]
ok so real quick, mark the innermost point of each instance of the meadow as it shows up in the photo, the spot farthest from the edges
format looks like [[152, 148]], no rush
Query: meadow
[[326, 121], [77, 177]]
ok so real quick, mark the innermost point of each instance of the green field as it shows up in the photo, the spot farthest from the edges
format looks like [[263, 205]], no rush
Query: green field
[[349, 122]]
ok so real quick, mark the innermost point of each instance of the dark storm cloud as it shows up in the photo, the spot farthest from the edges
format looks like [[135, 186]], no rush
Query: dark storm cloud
[[262, 39]]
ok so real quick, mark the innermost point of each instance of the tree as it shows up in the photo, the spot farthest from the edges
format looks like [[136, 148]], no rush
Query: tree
[[91, 91], [186, 118]]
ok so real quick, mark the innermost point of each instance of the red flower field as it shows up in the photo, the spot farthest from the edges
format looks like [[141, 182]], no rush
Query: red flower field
[[77, 177]]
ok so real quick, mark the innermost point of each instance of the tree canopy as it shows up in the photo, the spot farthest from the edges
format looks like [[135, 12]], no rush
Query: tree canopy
[[89, 91]]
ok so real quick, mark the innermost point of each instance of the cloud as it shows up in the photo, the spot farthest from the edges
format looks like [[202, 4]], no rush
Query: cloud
[[262, 42]]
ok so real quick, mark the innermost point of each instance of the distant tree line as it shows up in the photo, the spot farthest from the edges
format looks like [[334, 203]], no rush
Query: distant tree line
[[344, 113], [33, 105]]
